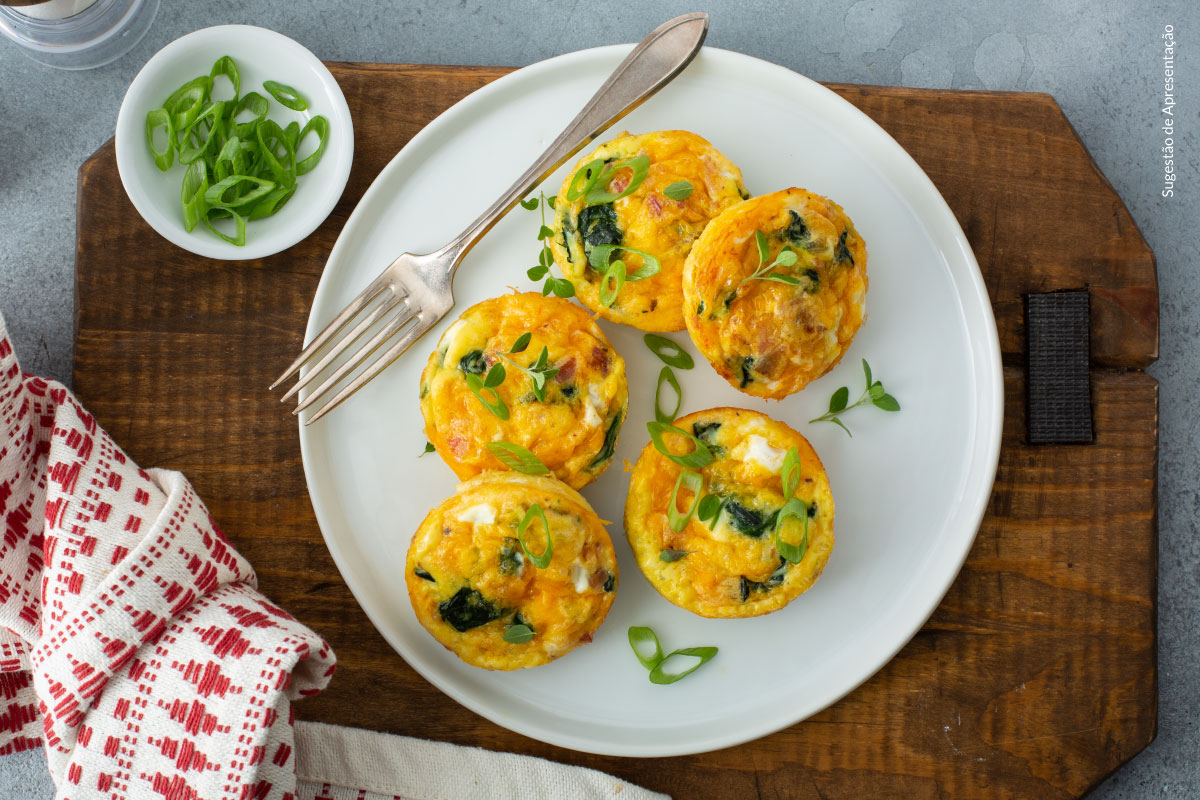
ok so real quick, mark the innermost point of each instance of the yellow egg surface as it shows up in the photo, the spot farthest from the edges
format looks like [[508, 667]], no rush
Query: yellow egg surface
[[470, 580], [573, 431], [647, 219], [730, 569], [766, 337]]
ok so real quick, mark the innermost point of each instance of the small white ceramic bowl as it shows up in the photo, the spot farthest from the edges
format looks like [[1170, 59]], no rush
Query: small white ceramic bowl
[[260, 55]]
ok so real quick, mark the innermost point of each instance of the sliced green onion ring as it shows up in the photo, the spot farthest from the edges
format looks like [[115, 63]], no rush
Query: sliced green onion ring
[[292, 134], [599, 193], [286, 95], [517, 458], [239, 237], [541, 561], [794, 507], [215, 196], [668, 352], [187, 102], [251, 102], [669, 377], [584, 179], [700, 457], [639, 635], [320, 126], [272, 202], [269, 132], [601, 253], [225, 66], [790, 473], [210, 116], [661, 674], [224, 165], [496, 405], [612, 283], [195, 184], [693, 482], [159, 118]]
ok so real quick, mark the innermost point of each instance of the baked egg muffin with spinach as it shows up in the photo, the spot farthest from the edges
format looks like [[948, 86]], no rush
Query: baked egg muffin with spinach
[[775, 290], [512, 571], [627, 216], [729, 513], [531, 370]]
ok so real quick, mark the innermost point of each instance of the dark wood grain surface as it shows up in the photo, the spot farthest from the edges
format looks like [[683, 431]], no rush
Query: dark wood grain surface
[[1034, 678]]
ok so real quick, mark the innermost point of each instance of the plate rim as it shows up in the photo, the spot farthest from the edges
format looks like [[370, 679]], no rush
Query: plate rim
[[984, 356]]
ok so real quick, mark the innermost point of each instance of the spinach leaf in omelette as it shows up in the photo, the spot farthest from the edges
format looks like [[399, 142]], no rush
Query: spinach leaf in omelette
[[467, 609]]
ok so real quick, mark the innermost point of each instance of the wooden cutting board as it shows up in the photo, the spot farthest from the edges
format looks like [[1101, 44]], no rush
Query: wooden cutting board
[[1034, 678]]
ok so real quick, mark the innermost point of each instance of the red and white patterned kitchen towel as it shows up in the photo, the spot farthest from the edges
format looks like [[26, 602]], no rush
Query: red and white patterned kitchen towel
[[135, 647], [134, 644]]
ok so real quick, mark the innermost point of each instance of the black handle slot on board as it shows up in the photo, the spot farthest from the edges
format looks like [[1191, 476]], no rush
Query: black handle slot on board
[[1058, 387]]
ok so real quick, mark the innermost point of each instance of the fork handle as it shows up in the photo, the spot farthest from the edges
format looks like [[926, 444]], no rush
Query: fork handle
[[651, 65]]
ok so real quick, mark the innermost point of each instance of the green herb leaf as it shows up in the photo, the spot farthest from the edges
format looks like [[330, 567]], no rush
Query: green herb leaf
[[662, 674], [518, 634], [679, 190], [669, 377], [790, 474], [561, 287], [668, 351], [639, 637], [429, 448], [517, 458], [838, 400], [496, 405], [545, 232], [790, 280], [763, 251], [551, 200], [867, 371], [700, 456], [887, 403], [495, 376], [786, 258], [794, 507], [535, 511], [531, 203], [537, 273], [669, 556], [693, 482], [521, 343], [710, 508]]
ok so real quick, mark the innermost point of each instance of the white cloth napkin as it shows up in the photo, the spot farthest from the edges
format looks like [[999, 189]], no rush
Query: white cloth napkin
[[135, 646]]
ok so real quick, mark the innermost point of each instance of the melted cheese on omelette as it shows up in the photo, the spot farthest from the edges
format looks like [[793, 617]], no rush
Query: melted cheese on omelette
[[470, 580], [731, 568], [648, 220], [766, 337], [573, 431]]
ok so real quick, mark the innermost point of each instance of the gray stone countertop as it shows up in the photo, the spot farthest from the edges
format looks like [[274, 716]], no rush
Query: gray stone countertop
[[1100, 60]]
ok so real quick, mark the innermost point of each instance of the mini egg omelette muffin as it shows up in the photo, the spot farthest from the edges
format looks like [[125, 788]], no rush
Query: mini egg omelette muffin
[[472, 583], [772, 325], [730, 567], [653, 218], [571, 423]]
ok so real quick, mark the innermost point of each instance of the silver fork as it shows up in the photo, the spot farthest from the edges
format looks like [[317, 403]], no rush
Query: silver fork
[[414, 292]]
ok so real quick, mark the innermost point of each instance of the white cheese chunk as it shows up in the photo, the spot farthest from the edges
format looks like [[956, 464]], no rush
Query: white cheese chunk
[[479, 513], [759, 452], [580, 577], [591, 417]]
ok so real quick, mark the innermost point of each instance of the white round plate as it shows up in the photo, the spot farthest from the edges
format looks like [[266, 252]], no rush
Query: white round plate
[[260, 55], [910, 487]]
